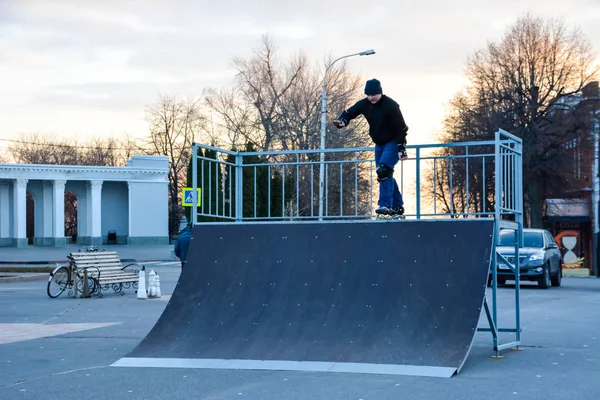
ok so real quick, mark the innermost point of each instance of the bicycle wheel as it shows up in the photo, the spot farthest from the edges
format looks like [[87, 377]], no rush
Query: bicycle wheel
[[58, 282], [91, 285]]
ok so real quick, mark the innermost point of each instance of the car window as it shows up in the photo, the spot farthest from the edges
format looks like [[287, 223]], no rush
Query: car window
[[533, 239], [507, 238], [549, 238], [530, 239]]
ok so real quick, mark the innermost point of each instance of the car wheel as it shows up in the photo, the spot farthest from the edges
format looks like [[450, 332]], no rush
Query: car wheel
[[556, 279], [499, 281], [544, 281]]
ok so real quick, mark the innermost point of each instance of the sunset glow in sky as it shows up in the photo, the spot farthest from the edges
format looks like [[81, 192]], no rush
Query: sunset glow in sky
[[85, 67]]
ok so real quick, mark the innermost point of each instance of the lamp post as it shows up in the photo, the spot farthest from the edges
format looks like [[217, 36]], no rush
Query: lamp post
[[595, 193], [324, 126]]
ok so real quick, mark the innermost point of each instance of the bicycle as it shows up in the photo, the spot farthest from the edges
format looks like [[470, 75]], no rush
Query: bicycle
[[92, 248], [62, 278]]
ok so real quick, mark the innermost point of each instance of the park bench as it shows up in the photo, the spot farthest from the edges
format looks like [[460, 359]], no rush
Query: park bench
[[105, 270]]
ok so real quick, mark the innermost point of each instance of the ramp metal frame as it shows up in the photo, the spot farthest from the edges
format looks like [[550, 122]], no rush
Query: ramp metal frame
[[351, 191], [509, 199]]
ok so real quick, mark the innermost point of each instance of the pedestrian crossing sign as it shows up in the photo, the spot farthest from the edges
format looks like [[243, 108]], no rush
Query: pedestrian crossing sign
[[187, 197]]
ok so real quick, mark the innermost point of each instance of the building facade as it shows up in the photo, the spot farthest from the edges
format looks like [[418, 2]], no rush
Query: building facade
[[572, 214], [115, 205]]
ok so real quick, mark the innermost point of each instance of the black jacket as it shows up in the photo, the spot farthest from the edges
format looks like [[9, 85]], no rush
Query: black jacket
[[385, 119]]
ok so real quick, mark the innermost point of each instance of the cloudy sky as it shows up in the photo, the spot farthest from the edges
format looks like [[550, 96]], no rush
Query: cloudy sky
[[89, 67]]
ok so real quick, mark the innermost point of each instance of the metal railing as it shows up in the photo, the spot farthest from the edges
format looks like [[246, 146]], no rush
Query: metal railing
[[455, 180]]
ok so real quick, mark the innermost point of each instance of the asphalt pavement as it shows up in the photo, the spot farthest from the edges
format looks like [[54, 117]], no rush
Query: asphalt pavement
[[64, 348]]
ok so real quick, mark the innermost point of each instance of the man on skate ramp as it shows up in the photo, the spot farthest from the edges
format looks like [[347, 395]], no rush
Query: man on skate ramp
[[369, 297]]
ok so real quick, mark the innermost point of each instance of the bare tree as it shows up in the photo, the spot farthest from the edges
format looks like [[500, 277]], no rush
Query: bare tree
[[516, 84], [36, 148], [99, 151], [174, 125], [238, 124], [275, 105], [39, 148], [128, 147], [251, 111]]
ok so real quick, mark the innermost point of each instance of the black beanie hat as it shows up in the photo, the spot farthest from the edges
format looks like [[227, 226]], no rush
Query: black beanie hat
[[373, 86]]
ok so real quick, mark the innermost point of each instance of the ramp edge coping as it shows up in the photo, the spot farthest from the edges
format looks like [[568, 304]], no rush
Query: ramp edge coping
[[277, 365], [287, 221]]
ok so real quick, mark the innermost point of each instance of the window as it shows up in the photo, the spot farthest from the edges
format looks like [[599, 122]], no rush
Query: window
[[549, 238], [533, 239], [507, 238], [530, 239]]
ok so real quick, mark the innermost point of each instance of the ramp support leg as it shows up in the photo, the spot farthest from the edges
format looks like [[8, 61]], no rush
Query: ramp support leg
[[493, 329]]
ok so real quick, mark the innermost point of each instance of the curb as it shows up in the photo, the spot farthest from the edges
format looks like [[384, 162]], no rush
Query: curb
[[576, 272], [31, 262], [26, 277], [54, 262]]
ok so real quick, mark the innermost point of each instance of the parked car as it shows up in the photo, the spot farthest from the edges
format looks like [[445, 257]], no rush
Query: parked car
[[539, 258]]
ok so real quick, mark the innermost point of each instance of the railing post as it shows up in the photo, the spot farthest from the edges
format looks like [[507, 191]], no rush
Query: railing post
[[467, 180], [418, 182], [519, 180], [194, 214], [497, 204], [239, 187], [497, 185]]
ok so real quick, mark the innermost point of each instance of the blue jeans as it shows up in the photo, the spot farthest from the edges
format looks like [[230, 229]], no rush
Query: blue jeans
[[389, 193]]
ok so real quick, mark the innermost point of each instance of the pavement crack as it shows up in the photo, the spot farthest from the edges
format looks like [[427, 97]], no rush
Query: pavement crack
[[20, 382], [60, 314]]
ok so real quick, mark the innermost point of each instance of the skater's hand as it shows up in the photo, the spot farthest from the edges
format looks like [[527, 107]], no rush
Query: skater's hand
[[402, 153], [338, 123]]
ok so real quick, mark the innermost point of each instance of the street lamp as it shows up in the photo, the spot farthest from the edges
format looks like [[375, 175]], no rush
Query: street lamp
[[324, 126], [595, 192]]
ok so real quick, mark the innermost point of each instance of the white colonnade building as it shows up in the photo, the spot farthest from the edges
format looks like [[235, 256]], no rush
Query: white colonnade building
[[130, 202]]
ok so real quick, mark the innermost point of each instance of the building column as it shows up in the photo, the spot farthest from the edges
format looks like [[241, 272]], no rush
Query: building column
[[20, 212], [83, 234], [129, 212], [58, 213], [5, 236], [44, 215], [94, 212]]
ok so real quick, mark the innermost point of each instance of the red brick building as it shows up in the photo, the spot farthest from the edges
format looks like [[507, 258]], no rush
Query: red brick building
[[571, 213]]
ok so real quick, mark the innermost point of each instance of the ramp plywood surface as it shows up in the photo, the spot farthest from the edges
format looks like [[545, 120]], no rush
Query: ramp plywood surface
[[356, 296]]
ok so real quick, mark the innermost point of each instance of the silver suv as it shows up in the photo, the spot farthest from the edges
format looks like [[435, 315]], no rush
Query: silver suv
[[539, 258]]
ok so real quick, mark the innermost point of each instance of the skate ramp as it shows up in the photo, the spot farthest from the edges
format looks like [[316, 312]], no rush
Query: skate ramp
[[398, 298]]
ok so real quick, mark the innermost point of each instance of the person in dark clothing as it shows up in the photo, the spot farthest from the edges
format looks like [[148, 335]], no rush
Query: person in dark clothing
[[388, 130], [182, 245]]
